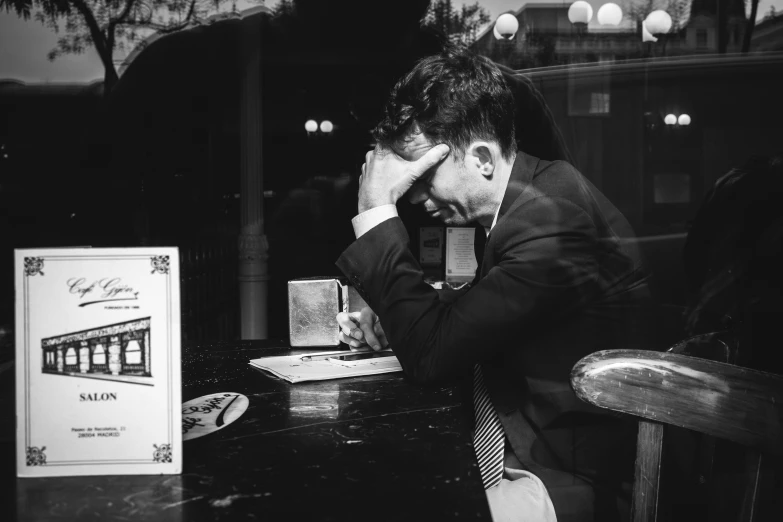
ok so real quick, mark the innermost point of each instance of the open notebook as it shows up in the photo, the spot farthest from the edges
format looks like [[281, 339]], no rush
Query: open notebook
[[326, 365]]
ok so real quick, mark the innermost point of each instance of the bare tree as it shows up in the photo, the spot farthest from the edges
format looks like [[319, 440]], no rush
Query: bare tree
[[458, 25], [113, 25], [751, 23], [679, 10]]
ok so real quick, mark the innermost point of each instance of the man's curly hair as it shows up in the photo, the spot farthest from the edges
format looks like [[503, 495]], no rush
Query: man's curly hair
[[454, 97]]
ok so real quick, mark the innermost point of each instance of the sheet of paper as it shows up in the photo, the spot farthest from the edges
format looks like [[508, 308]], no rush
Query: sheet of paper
[[298, 368], [98, 361], [460, 259]]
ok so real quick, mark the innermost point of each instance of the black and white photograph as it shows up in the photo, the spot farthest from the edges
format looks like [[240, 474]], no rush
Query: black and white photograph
[[412, 260]]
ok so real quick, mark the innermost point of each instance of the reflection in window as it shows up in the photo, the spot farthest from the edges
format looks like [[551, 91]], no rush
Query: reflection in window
[[599, 103], [133, 353], [589, 95], [701, 38], [672, 188], [690, 27], [99, 355], [70, 357]]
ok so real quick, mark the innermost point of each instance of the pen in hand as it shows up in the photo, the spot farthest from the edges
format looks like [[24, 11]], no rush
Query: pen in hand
[[334, 354], [314, 357], [362, 329]]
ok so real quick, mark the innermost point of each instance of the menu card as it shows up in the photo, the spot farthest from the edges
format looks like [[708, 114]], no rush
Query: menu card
[[460, 258], [98, 361]]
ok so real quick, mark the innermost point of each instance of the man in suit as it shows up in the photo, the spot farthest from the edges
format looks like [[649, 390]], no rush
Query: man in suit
[[557, 280]]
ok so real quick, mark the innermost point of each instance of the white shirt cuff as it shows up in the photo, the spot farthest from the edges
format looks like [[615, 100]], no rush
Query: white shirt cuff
[[372, 218]]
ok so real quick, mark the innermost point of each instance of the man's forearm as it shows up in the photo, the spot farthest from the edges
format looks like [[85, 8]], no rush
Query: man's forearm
[[370, 219]]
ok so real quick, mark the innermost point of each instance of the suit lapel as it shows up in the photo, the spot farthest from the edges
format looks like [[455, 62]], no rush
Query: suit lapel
[[504, 390], [522, 173], [479, 245]]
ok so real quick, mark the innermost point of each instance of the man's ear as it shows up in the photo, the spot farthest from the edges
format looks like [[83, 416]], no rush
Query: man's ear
[[483, 158]]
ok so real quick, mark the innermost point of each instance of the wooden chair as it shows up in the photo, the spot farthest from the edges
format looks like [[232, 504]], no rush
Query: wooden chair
[[718, 399]]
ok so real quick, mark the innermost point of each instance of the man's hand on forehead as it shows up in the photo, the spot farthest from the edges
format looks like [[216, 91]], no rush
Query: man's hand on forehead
[[386, 176]]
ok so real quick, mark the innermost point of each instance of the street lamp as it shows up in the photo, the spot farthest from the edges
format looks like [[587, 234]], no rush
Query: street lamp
[[647, 35], [609, 14], [506, 27], [670, 119], [684, 120], [326, 126], [580, 12], [658, 22], [311, 126]]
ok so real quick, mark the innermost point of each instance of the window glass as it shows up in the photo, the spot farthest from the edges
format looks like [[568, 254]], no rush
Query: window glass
[[70, 357], [528, 34], [99, 354], [639, 89], [701, 39], [654, 101], [133, 353]]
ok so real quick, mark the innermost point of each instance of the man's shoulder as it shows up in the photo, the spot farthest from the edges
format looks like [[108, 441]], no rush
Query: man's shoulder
[[561, 180], [559, 188], [558, 170]]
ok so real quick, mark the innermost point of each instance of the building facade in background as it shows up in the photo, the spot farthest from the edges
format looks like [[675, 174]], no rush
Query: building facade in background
[[546, 36]]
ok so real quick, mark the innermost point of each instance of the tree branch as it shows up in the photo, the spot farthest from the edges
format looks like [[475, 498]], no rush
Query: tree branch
[[749, 26], [162, 28], [155, 26], [190, 11], [98, 38], [124, 14], [103, 45]]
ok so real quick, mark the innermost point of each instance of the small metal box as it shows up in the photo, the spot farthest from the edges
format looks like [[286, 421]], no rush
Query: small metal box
[[313, 305]]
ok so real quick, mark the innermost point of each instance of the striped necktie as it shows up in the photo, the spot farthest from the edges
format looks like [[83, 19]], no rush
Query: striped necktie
[[488, 439]]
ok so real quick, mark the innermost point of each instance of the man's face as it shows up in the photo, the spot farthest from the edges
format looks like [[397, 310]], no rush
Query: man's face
[[444, 190]]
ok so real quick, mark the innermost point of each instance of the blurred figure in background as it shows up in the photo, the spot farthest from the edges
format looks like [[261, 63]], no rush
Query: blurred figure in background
[[733, 259]]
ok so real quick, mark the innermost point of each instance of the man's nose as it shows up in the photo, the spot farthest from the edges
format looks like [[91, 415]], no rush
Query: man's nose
[[418, 193]]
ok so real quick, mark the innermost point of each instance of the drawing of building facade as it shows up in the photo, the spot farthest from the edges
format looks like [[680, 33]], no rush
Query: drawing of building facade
[[121, 349]]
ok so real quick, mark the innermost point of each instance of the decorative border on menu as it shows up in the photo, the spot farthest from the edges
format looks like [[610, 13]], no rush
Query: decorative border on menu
[[159, 453]]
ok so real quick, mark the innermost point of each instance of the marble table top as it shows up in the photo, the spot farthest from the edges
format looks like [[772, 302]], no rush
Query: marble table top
[[366, 448]]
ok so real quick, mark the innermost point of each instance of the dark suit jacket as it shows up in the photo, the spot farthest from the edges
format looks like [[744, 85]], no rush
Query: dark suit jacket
[[557, 281]]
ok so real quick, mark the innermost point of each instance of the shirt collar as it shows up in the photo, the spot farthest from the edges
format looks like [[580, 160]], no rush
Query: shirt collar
[[494, 220], [521, 174]]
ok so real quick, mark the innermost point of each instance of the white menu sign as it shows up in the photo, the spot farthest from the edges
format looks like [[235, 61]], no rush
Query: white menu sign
[[98, 361], [460, 258]]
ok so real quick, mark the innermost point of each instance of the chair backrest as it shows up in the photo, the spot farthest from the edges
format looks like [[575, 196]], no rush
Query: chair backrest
[[721, 400]]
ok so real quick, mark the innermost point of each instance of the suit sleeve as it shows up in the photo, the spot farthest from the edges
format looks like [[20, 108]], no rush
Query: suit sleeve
[[544, 268]]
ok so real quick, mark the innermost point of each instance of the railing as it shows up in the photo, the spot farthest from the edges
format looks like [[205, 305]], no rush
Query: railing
[[209, 289]]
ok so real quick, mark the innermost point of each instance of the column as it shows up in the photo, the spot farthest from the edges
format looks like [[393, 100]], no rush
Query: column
[[253, 245], [115, 355], [84, 357], [146, 341]]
